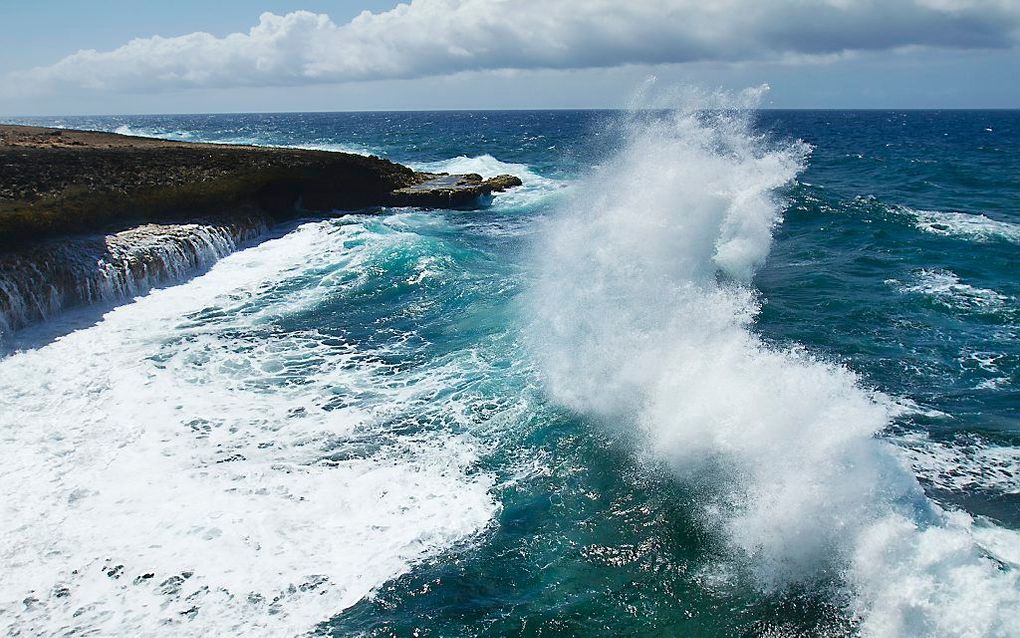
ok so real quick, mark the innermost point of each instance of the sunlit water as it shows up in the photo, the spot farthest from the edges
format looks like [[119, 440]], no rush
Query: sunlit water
[[703, 374]]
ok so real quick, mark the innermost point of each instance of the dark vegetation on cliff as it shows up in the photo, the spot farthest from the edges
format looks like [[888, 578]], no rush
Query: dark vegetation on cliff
[[57, 182]]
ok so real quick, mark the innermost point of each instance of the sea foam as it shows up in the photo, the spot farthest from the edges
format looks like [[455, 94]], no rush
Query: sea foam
[[966, 465], [945, 288], [644, 318], [184, 467], [974, 227]]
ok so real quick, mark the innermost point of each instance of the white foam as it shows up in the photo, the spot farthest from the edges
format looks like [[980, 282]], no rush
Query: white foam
[[903, 406], [965, 465], [333, 147], [157, 133], [247, 140], [952, 579], [181, 467], [642, 314], [484, 165], [946, 288], [980, 228]]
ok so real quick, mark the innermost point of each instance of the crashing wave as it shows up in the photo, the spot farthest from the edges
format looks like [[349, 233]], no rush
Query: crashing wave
[[644, 319]]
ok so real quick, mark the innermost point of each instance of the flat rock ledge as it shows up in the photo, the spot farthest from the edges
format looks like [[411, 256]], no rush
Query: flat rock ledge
[[453, 191], [57, 182]]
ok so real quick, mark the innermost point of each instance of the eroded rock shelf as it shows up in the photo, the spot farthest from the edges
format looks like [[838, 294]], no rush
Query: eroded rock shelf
[[88, 217], [58, 181]]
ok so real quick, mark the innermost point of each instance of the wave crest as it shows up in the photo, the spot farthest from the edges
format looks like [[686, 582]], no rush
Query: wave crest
[[643, 315]]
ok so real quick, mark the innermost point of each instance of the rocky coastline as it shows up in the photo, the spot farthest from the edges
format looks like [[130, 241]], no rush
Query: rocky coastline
[[88, 216]]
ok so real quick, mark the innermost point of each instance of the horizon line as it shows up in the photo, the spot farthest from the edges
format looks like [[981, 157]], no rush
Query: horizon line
[[502, 110]]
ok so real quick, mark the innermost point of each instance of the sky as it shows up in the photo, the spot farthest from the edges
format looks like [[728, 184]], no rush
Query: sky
[[67, 57]]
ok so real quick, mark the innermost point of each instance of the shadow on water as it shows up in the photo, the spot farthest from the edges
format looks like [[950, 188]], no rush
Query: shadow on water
[[41, 334]]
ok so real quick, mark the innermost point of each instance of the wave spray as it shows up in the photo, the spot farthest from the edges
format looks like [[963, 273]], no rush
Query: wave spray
[[645, 311]]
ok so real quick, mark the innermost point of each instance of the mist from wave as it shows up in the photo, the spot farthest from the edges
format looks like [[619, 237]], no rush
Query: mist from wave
[[644, 314]]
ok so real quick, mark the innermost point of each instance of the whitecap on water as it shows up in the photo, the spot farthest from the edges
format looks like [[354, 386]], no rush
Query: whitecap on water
[[975, 227], [965, 464], [176, 134], [946, 288]]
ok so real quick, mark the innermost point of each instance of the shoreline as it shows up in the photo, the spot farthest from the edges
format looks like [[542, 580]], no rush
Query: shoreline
[[52, 275], [88, 216], [63, 182]]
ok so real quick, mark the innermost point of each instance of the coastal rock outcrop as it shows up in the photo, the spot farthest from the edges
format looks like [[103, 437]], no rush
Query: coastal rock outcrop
[[55, 182], [87, 216], [453, 191]]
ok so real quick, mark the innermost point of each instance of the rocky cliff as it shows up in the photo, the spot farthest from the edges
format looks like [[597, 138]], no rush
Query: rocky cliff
[[88, 217], [57, 182]]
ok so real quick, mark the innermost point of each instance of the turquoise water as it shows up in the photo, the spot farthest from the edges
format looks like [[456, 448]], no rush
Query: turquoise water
[[704, 374]]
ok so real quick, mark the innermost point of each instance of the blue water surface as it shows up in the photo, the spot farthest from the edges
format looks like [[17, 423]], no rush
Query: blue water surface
[[898, 256]]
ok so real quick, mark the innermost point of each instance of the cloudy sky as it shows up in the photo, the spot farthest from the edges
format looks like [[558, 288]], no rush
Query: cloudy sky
[[126, 56]]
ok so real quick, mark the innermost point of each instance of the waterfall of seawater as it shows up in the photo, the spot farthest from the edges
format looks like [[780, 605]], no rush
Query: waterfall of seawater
[[40, 281]]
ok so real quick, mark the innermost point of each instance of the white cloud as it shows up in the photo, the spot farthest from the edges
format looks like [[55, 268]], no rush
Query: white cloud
[[439, 37]]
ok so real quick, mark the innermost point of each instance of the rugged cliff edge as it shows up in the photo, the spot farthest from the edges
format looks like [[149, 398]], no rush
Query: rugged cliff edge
[[87, 217], [57, 181]]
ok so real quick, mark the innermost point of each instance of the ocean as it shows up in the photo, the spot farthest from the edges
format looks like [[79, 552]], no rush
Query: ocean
[[707, 373]]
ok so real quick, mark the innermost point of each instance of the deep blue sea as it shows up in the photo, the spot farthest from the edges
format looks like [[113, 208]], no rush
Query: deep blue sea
[[707, 373]]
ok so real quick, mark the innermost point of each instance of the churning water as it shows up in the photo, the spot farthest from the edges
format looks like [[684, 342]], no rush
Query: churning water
[[709, 372]]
